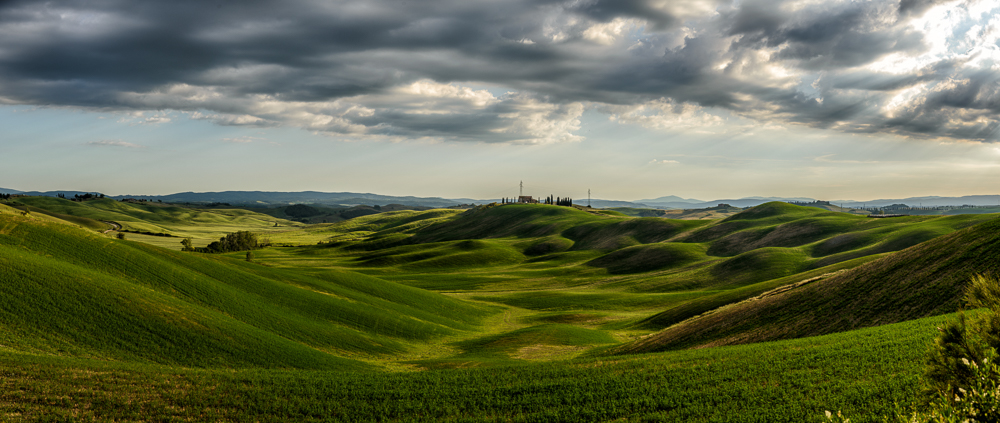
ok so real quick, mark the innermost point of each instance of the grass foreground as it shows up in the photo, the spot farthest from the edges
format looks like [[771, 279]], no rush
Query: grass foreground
[[863, 373]]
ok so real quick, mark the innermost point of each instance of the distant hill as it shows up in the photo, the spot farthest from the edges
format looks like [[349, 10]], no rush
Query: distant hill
[[670, 201], [607, 204], [265, 198], [932, 201], [670, 198], [667, 202], [275, 198], [330, 198]]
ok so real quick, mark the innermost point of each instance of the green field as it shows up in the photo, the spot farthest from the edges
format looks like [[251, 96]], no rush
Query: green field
[[498, 313], [201, 225]]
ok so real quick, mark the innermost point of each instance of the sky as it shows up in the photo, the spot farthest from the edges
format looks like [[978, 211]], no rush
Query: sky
[[631, 99]]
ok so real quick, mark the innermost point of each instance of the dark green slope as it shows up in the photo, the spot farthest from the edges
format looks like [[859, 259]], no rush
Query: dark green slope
[[925, 280], [585, 230], [70, 292]]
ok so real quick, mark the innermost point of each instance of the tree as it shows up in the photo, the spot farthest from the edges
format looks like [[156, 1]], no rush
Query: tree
[[236, 241], [186, 242], [962, 374], [250, 256], [121, 235]]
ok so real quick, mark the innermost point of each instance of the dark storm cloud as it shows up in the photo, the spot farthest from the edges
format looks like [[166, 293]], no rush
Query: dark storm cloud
[[607, 10], [397, 68], [916, 7], [824, 39]]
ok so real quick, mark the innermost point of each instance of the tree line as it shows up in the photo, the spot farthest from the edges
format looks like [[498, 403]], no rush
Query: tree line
[[564, 201]]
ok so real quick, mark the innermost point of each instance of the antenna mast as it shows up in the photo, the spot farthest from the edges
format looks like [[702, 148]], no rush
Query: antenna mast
[[588, 197]]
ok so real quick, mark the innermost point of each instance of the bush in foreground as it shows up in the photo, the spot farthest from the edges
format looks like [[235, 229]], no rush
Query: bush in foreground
[[962, 375]]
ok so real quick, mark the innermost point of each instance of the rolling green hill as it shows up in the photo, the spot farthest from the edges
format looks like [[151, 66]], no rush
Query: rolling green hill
[[924, 280], [202, 225], [498, 313], [570, 254], [70, 292]]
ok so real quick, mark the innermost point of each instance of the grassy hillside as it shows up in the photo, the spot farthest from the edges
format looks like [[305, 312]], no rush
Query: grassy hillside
[[686, 214], [69, 292], [619, 275], [202, 225], [923, 280], [862, 373]]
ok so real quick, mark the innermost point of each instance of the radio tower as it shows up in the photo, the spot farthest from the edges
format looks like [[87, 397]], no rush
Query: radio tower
[[588, 198]]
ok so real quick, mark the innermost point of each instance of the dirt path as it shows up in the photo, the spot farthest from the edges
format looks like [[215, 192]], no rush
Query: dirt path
[[114, 226]]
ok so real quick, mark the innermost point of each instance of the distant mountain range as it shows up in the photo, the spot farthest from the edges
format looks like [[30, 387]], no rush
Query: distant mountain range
[[675, 202], [267, 198], [933, 201]]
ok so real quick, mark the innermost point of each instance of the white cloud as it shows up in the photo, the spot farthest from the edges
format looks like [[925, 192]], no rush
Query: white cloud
[[667, 114], [142, 118], [664, 162], [243, 139], [113, 143], [608, 33], [230, 119]]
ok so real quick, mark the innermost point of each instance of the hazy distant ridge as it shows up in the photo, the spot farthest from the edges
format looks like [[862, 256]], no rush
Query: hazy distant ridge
[[931, 201], [352, 198]]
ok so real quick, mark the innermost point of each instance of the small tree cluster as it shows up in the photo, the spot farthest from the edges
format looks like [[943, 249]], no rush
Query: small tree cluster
[[236, 241], [84, 197], [4, 196]]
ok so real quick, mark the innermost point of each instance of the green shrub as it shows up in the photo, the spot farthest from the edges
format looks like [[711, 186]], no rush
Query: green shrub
[[965, 340], [977, 401], [962, 376]]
